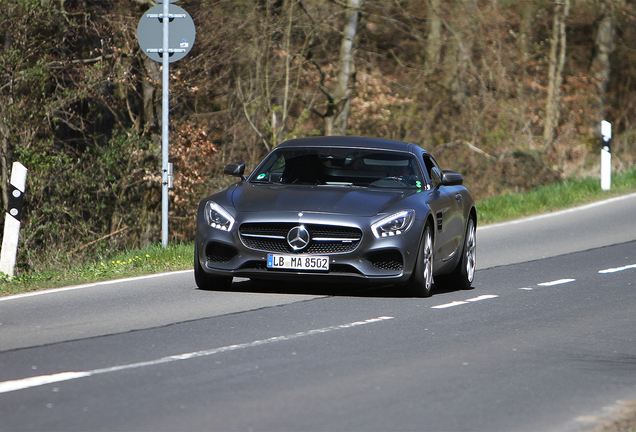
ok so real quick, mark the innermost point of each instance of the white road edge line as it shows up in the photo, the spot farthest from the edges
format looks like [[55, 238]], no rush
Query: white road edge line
[[90, 285], [21, 384], [618, 269], [556, 282]]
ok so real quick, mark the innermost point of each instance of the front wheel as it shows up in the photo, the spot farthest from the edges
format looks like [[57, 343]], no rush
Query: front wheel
[[464, 274], [421, 281]]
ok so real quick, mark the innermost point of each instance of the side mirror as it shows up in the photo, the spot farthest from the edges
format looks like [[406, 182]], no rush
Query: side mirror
[[452, 178], [236, 169]]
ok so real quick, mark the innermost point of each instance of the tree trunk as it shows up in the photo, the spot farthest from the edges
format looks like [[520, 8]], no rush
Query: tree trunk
[[600, 68], [347, 71], [525, 36], [148, 116], [278, 131], [459, 50], [555, 72], [434, 36], [5, 134]]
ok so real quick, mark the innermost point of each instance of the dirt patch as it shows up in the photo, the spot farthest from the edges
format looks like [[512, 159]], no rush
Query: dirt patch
[[622, 418]]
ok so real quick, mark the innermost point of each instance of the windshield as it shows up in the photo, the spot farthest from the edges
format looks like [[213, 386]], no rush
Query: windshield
[[340, 167]]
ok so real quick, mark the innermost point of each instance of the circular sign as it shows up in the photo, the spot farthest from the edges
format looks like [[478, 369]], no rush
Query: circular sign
[[180, 38]]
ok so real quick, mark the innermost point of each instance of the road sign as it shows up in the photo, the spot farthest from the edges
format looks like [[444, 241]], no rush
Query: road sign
[[165, 41], [181, 36]]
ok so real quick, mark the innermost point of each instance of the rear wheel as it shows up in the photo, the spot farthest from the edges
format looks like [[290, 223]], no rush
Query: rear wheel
[[421, 282], [207, 282], [464, 274]]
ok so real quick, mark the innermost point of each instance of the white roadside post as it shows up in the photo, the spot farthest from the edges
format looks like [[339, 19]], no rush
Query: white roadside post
[[12, 220], [174, 27], [606, 156]]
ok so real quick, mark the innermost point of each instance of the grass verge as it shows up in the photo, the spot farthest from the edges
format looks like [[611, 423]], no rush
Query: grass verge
[[156, 259], [557, 196]]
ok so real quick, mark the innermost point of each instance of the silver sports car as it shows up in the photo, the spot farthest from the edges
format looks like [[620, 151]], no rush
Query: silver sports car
[[340, 209]]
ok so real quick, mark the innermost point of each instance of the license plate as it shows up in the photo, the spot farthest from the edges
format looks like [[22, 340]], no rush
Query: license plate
[[294, 262]]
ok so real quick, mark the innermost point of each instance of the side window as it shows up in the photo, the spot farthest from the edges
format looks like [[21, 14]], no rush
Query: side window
[[436, 176], [272, 170], [279, 165], [433, 171]]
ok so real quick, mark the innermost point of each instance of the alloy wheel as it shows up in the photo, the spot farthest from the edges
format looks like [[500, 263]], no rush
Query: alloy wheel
[[471, 251]]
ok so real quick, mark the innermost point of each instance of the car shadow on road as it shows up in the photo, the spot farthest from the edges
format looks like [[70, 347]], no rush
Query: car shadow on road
[[324, 289]]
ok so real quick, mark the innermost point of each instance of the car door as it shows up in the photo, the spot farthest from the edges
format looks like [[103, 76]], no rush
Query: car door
[[444, 206], [455, 221]]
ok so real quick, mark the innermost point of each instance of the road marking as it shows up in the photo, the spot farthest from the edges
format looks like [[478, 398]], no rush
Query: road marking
[[457, 302], [618, 269], [447, 305], [9, 386], [21, 384], [482, 297], [556, 282]]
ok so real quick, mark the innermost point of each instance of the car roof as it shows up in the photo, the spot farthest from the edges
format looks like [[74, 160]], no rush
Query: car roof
[[350, 142]]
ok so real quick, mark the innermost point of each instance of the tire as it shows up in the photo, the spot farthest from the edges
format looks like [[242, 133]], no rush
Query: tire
[[207, 282], [421, 282], [463, 275]]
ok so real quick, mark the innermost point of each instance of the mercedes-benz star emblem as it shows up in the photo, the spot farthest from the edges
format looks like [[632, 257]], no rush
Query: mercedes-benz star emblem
[[298, 238]]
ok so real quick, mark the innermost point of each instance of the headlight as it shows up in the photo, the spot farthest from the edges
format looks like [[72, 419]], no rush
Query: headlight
[[396, 224], [217, 217]]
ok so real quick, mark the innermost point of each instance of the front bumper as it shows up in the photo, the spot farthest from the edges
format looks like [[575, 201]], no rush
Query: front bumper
[[361, 259]]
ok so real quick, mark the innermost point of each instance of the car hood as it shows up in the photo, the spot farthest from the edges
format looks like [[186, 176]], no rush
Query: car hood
[[322, 199]]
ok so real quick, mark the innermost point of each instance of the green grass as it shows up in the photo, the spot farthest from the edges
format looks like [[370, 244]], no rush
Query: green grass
[[156, 259], [557, 196], [153, 259]]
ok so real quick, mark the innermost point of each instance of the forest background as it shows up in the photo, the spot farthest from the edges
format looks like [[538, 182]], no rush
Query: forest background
[[508, 92]]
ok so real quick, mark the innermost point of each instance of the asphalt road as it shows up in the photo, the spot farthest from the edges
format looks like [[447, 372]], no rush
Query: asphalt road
[[545, 337], [582, 228]]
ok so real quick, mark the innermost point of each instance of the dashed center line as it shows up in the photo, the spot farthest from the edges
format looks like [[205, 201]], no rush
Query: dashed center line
[[447, 305], [21, 384], [618, 269], [557, 282], [482, 297], [457, 303]]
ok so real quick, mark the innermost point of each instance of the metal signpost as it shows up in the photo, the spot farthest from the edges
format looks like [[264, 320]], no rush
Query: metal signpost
[[178, 34]]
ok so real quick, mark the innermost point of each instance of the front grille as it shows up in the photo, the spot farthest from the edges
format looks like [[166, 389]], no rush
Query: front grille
[[387, 261], [254, 265], [325, 239]]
